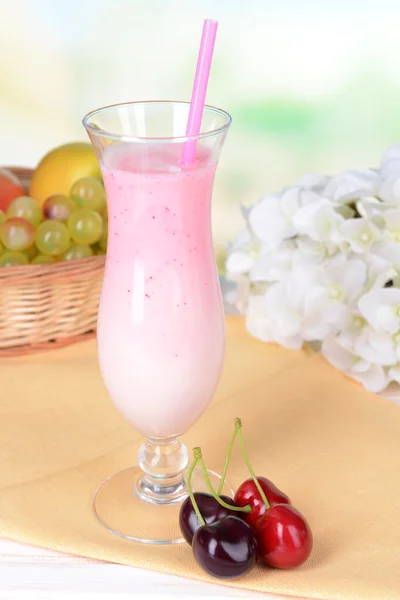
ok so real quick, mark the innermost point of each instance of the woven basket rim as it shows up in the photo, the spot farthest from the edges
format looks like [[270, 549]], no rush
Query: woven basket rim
[[71, 269]]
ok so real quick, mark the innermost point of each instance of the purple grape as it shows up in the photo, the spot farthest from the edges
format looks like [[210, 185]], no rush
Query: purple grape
[[209, 508], [225, 549]]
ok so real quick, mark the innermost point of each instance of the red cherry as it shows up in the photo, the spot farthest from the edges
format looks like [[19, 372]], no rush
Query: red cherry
[[247, 493], [284, 537]]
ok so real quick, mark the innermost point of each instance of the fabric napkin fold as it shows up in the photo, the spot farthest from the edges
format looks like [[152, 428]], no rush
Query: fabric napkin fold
[[332, 446]]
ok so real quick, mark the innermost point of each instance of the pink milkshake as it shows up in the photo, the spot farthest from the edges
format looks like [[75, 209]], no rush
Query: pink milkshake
[[161, 327]]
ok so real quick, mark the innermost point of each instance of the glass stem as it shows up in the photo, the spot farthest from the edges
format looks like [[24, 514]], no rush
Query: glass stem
[[163, 463]]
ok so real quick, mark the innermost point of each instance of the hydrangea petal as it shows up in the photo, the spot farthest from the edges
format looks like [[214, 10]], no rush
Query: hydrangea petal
[[352, 184], [376, 347], [361, 234], [374, 379], [337, 354], [317, 220], [267, 222], [371, 303], [258, 322], [389, 190], [313, 182], [239, 262]]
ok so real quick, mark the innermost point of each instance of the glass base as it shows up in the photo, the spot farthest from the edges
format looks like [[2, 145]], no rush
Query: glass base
[[119, 508]]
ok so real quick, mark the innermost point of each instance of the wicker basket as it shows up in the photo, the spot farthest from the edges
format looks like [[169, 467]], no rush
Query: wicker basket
[[47, 306]]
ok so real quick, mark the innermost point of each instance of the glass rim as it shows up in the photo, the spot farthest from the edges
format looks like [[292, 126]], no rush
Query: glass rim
[[131, 138]]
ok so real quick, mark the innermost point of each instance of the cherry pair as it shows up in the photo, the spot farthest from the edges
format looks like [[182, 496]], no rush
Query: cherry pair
[[223, 544], [227, 535]]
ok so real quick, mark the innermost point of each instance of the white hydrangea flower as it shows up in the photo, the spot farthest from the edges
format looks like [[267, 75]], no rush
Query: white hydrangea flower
[[361, 234], [389, 251], [393, 152], [376, 347], [318, 220], [394, 373], [271, 219], [312, 252], [328, 301], [284, 309], [379, 271], [242, 253], [381, 308], [353, 327], [389, 190], [312, 181], [373, 209], [390, 168], [315, 263], [274, 265], [260, 325], [341, 356], [352, 184], [391, 219]]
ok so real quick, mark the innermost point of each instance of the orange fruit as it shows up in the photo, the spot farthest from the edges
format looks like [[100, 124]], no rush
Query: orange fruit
[[61, 167], [10, 188]]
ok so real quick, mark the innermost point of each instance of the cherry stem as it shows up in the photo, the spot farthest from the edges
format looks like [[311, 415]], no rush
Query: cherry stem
[[226, 464], [238, 429], [198, 456], [191, 495]]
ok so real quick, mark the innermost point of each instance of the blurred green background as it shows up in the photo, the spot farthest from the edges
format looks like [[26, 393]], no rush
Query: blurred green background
[[312, 86]]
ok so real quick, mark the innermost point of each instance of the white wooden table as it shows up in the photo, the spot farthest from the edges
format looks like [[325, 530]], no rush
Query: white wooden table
[[33, 573]]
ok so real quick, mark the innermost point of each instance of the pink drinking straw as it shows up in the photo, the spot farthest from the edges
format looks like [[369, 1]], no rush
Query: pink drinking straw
[[199, 88]]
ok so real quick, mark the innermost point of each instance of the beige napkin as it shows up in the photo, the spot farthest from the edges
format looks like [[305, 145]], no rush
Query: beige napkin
[[333, 447]]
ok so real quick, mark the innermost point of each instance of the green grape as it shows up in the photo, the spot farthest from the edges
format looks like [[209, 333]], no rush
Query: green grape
[[27, 208], [43, 259], [30, 252], [17, 234], [13, 259], [76, 251], [2, 217], [85, 226], [52, 238], [104, 237], [59, 207], [89, 193]]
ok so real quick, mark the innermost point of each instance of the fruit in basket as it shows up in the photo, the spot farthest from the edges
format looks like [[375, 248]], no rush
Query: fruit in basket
[[89, 193], [26, 208], [52, 238], [43, 259], [62, 228], [17, 234], [77, 251], [58, 207], [13, 259], [60, 168], [10, 188], [85, 226], [30, 252]]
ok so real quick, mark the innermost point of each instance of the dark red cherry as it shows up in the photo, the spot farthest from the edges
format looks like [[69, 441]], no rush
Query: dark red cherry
[[209, 508], [225, 549]]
